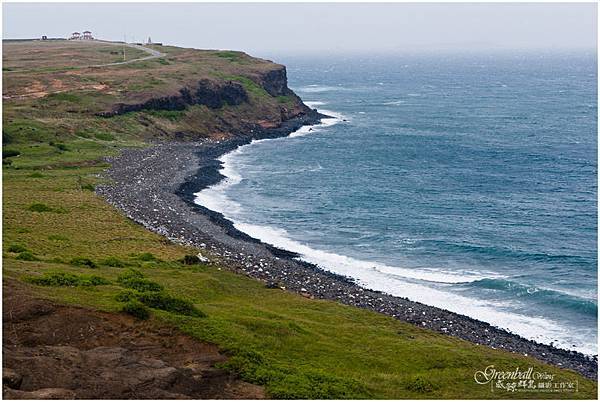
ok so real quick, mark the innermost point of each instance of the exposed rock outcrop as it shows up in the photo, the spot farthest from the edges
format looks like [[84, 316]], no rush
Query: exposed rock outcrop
[[213, 94], [59, 352], [275, 82]]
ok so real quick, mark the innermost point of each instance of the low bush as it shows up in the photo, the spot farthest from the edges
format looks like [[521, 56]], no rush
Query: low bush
[[136, 309], [147, 257], [190, 260], [83, 262], [126, 296], [9, 153], [36, 175], [88, 186], [16, 248], [162, 301], [26, 256], [59, 145], [39, 207], [66, 279], [134, 279], [113, 262], [105, 136], [418, 384]]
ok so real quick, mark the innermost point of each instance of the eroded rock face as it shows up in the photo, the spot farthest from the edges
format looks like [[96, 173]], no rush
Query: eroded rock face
[[213, 94], [275, 82], [59, 352]]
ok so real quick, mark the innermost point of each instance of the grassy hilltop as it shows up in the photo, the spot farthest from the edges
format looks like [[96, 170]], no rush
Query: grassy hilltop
[[60, 118]]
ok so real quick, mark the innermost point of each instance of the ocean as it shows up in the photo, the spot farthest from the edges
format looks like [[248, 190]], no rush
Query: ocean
[[466, 182]]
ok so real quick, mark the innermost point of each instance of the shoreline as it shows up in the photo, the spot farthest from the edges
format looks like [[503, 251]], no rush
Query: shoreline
[[155, 187]]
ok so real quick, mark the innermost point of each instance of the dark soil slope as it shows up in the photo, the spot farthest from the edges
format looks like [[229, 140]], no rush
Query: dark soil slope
[[59, 352]]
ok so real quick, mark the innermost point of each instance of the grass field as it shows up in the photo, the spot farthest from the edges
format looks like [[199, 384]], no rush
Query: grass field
[[71, 246]]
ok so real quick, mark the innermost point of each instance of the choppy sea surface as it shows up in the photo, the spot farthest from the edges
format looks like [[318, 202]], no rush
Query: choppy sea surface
[[467, 182]]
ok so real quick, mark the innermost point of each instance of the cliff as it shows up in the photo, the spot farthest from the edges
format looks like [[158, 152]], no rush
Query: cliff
[[187, 94]]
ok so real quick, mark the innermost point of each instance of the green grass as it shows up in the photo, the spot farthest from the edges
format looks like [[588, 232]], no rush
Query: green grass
[[64, 97], [230, 55], [172, 115], [251, 87]]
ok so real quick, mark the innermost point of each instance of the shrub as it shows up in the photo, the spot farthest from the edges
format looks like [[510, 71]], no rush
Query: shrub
[[59, 145], [16, 248], [136, 309], [66, 279], [113, 262], [88, 186], [83, 262], [134, 279], [159, 300], [26, 256], [39, 207], [9, 153], [105, 136], [126, 296], [162, 301], [147, 257], [190, 260], [418, 384], [36, 175]]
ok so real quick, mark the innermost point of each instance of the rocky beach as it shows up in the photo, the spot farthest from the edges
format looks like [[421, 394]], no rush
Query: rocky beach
[[155, 187]]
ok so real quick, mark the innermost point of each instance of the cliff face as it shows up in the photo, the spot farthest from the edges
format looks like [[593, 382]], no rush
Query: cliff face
[[275, 82], [206, 92], [216, 93]]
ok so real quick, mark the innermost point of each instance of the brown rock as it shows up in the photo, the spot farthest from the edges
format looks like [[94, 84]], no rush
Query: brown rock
[[11, 379]]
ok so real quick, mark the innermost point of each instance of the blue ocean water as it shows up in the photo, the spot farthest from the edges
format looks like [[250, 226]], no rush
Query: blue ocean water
[[468, 182]]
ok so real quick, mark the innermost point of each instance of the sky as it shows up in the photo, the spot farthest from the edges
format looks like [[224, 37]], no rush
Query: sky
[[295, 28]]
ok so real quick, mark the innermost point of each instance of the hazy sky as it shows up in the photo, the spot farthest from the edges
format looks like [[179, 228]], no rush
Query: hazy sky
[[269, 28]]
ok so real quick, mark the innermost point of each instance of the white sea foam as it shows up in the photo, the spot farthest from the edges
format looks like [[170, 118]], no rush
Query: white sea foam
[[326, 122], [394, 103], [318, 88], [397, 281]]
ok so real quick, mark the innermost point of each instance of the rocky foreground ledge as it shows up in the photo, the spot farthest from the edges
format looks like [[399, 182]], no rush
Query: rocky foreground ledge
[[155, 186]]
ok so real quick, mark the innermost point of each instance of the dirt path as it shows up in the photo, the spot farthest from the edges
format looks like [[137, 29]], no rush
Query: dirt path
[[153, 54], [60, 352]]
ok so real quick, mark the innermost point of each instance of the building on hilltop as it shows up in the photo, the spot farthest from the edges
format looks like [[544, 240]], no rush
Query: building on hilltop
[[75, 36], [87, 35]]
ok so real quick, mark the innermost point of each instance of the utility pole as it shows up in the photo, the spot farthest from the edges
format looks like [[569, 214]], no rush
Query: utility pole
[[124, 45]]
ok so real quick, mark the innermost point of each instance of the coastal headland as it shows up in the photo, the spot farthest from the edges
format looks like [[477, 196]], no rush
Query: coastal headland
[[145, 136]]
